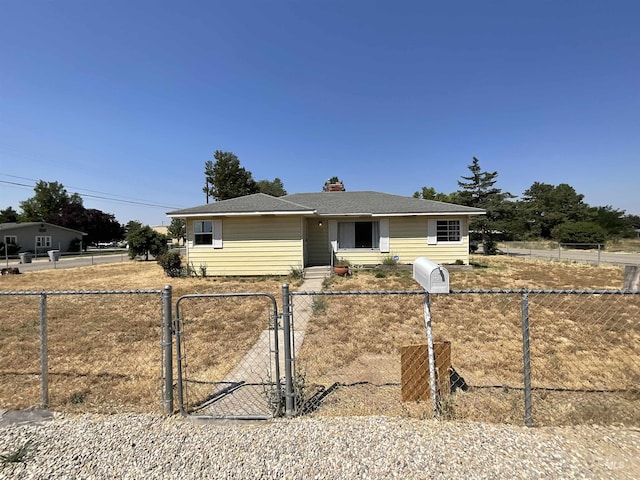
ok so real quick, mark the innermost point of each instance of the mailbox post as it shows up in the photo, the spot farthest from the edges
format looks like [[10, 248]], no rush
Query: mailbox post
[[434, 278]]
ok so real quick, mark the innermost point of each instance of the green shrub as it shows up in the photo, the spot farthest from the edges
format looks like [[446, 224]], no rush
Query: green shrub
[[389, 260], [12, 249], [580, 232], [75, 244], [296, 273], [171, 263]]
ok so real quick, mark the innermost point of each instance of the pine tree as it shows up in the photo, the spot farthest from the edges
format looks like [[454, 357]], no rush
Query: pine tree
[[479, 191]]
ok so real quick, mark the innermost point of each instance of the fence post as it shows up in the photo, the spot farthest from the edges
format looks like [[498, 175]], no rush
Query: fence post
[[44, 360], [288, 377], [167, 346], [435, 399], [526, 360]]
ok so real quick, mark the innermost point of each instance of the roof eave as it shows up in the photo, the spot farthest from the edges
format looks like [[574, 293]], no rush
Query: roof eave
[[238, 214], [425, 214]]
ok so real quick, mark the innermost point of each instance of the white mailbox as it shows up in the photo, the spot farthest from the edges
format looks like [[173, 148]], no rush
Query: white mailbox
[[434, 278]]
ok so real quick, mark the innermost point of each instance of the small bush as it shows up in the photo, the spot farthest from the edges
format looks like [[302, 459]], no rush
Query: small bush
[[12, 249], [296, 273], [75, 244], [389, 260], [203, 270], [319, 305], [171, 263]]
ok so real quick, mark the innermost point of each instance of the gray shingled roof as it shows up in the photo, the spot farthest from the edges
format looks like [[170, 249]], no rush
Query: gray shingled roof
[[329, 203], [374, 203], [17, 225], [256, 203]]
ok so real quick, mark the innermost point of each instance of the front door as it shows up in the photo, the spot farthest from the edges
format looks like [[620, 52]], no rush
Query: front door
[[317, 249]]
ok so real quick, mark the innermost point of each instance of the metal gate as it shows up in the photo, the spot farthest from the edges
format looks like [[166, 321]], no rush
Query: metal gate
[[233, 369]]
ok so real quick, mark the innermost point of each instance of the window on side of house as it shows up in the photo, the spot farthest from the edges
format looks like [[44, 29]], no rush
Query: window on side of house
[[203, 232], [43, 241], [364, 235], [207, 233], [10, 240], [448, 231]]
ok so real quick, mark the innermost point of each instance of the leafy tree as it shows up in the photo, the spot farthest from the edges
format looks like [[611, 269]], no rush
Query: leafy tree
[[48, 203], [479, 191], [612, 221], [633, 221], [178, 229], [51, 203], [132, 225], [275, 188], [101, 227], [226, 179], [146, 241], [8, 215], [547, 206], [429, 193]]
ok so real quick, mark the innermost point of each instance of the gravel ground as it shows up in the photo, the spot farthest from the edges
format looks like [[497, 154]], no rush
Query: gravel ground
[[153, 447]]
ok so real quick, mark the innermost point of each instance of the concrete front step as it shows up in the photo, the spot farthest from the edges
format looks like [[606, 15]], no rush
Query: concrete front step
[[317, 272]]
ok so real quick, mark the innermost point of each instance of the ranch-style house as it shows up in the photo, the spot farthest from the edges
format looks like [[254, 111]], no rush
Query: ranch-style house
[[263, 235]]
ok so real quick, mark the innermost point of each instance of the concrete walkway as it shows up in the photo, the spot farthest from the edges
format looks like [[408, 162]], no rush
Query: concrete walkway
[[247, 390]]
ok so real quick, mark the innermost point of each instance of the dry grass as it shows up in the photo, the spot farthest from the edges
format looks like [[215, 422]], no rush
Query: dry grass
[[585, 343], [105, 350]]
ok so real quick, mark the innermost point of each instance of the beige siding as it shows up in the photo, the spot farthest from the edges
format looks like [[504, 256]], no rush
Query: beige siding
[[408, 240], [265, 245]]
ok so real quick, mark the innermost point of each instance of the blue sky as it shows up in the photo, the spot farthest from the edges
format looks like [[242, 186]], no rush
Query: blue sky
[[129, 99]]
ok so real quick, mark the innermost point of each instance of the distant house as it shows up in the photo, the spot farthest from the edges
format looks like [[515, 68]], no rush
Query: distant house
[[264, 235], [39, 237]]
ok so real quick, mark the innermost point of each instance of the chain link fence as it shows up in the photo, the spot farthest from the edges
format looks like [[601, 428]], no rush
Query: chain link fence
[[541, 357], [82, 351], [538, 357], [228, 356]]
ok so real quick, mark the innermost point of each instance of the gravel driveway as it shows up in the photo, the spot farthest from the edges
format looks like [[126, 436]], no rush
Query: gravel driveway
[[153, 447]]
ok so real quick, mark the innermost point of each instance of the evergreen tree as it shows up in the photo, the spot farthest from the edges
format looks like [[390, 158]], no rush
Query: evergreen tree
[[547, 206], [479, 191], [178, 229]]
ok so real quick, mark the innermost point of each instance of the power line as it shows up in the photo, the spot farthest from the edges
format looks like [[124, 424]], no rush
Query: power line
[[131, 200]]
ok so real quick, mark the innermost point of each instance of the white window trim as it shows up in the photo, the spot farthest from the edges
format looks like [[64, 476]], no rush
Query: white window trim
[[384, 241], [432, 232], [10, 239], [46, 244], [216, 235], [334, 238]]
